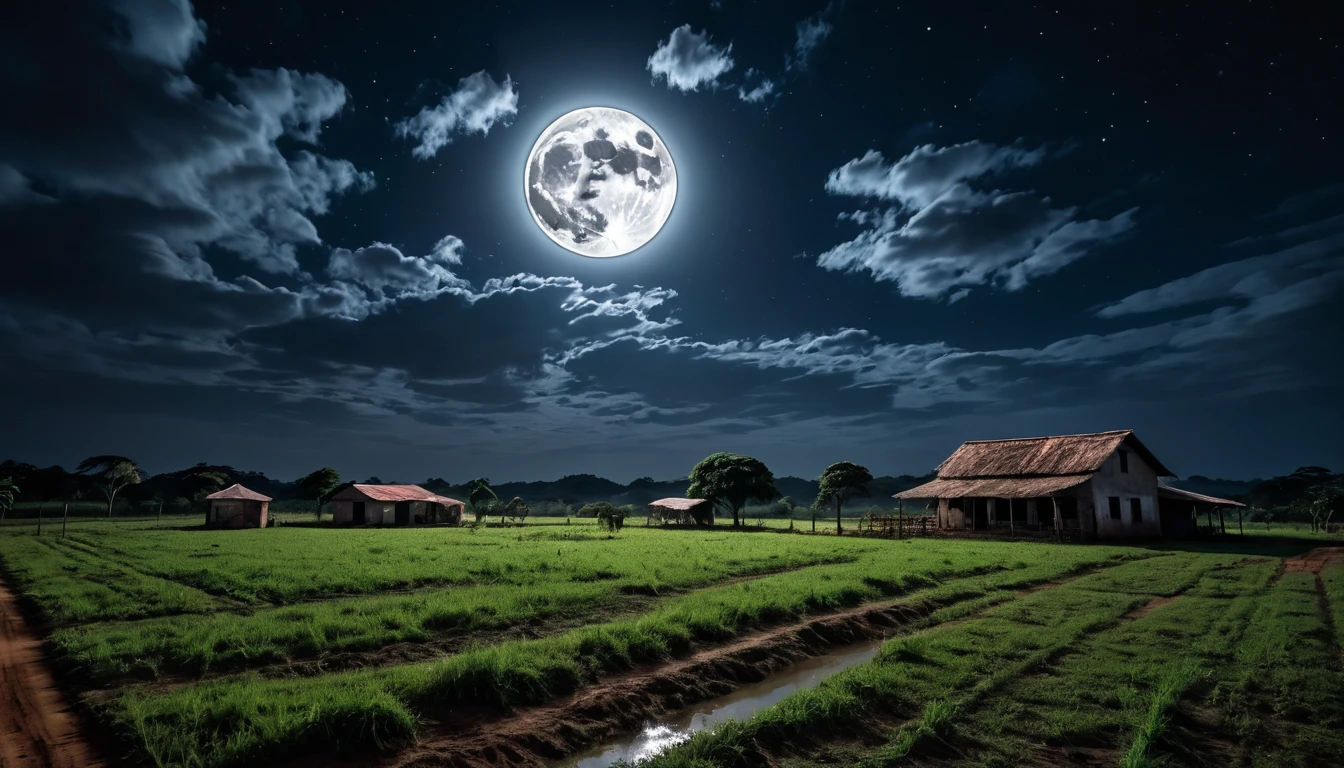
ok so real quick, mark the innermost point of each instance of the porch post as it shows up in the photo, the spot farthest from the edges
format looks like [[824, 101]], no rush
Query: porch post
[[1059, 524], [1221, 522], [1011, 531], [1240, 532]]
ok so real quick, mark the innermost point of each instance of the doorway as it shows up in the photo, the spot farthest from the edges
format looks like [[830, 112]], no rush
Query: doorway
[[360, 516], [980, 521], [403, 513]]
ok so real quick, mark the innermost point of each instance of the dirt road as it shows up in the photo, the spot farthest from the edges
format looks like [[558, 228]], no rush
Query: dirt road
[[37, 727]]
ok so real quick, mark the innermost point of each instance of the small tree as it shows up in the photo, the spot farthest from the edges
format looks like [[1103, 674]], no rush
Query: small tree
[[596, 509], [784, 508], [841, 482], [110, 474], [731, 480], [611, 518], [8, 490], [516, 509], [317, 485], [1324, 500], [480, 497]]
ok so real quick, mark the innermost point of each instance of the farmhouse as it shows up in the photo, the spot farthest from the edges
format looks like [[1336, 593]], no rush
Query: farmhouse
[[1095, 486], [358, 504], [237, 507], [682, 511]]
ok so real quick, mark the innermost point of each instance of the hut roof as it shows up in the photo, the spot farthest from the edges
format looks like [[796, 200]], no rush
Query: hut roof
[[1043, 456], [680, 505], [1176, 493], [398, 493], [237, 491], [997, 487]]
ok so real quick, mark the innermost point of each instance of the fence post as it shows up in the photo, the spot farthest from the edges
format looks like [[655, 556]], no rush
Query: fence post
[[65, 516], [900, 519]]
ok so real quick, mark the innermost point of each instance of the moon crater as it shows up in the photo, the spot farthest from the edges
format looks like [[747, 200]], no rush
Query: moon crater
[[600, 182]]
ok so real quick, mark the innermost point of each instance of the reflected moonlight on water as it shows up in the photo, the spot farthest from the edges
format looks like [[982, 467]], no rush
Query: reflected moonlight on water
[[600, 182]]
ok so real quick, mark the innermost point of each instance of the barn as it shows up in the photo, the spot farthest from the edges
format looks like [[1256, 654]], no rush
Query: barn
[[682, 511], [1102, 485], [237, 507], [362, 504]]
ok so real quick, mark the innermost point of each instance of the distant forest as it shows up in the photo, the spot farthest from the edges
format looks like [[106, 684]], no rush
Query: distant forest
[[181, 490]]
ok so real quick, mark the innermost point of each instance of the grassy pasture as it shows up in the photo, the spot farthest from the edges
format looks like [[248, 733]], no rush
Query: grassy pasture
[[994, 676]]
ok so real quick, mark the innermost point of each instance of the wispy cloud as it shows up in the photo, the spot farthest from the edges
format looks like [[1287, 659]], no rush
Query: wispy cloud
[[689, 59], [475, 106], [1250, 278], [812, 32], [764, 88]]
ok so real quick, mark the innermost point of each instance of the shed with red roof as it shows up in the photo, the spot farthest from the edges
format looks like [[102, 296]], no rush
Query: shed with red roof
[[364, 504]]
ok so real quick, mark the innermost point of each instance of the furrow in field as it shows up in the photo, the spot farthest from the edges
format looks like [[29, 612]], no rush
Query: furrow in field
[[538, 735], [910, 696], [349, 633], [273, 718]]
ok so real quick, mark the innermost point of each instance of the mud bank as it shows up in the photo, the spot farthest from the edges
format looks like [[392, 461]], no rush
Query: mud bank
[[548, 734]]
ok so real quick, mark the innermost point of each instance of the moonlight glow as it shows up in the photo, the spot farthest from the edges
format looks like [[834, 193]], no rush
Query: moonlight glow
[[600, 182]]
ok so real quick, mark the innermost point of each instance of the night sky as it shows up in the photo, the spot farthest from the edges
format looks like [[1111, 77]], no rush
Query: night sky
[[292, 234]]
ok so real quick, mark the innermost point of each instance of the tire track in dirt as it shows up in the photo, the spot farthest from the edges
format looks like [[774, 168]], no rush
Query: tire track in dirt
[[543, 734], [38, 729]]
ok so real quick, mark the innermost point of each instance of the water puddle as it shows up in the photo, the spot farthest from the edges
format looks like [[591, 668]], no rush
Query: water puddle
[[738, 705]]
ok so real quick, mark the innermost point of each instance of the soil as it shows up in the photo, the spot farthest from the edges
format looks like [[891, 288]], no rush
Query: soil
[[1314, 561], [1154, 604], [38, 729]]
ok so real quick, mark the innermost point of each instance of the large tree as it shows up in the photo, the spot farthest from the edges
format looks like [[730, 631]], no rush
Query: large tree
[[842, 481], [317, 485], [202, 483], [110, 474], [731, 480]]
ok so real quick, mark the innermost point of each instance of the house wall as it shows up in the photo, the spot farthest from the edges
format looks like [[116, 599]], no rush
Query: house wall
[[1139, 483], [385, 512], [951, 513], [343, 511], [238, 513]]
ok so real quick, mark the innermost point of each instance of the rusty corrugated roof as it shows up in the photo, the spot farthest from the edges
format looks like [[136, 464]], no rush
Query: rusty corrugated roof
[[997, 487], [237, 491], [395, 493], [680, 505]]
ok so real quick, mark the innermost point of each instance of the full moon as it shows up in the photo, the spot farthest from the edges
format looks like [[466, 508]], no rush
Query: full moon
[[600, 182]]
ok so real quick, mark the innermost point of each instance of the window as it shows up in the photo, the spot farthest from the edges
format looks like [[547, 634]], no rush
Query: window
[[1124, 461], [1115, 507], [1135, 511]]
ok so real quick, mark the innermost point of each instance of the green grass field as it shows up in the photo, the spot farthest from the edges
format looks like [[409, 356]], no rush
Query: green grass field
[[221, 648]]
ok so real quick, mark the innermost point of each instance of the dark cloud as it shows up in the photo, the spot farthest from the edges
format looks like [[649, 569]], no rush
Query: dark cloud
[[944, 237]]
